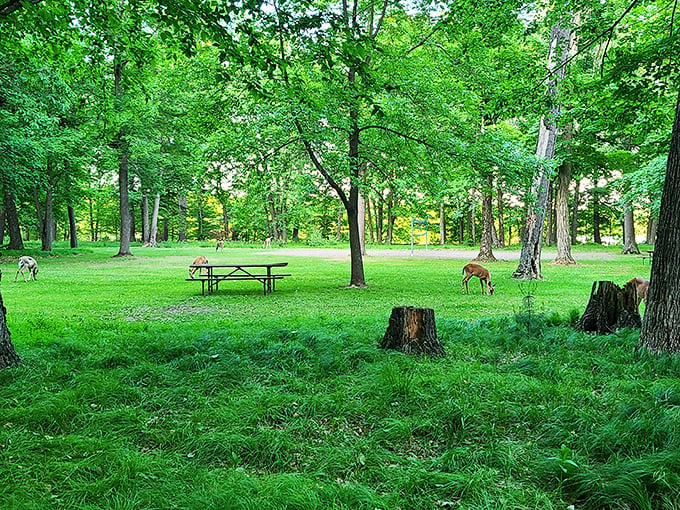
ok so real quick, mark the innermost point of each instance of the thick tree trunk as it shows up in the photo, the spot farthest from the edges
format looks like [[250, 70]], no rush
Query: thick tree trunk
[[412, 331], [8, 356], [629, 244], [72, 226], [564, 257], [661, 325], [610, 308], [485, 246], [529, 267]]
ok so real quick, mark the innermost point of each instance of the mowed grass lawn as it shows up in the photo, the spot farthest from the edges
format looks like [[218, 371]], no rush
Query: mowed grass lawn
[[137, 392]]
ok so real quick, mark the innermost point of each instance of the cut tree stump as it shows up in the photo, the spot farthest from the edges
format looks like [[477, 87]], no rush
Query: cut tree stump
[[412, 331], [611, 308]]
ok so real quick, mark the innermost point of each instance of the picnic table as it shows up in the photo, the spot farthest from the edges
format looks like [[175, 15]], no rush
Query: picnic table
[[648, 254], [213, 274]]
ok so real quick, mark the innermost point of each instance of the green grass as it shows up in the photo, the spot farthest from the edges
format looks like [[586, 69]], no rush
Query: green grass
[[137, 392]]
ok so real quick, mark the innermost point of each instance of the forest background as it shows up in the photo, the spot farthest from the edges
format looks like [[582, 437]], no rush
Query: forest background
[[295, 119]]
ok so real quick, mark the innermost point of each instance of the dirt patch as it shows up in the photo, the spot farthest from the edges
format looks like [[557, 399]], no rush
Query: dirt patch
[[174, 313]]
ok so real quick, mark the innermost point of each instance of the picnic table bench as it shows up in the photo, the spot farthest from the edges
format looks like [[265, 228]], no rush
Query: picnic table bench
[[213, 274]]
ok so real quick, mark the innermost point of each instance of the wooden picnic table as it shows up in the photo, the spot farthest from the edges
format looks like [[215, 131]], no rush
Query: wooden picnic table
[[216, 273]]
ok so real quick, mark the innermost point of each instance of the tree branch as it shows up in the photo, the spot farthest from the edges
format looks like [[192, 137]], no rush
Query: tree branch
[[406, 137]]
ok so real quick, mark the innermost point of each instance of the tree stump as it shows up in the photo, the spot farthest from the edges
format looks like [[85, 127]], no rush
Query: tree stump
[[610, 308], [412, 330]]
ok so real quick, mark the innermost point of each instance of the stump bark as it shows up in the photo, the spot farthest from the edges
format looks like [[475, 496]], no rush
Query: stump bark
[[8, 356], [610, 308], [412, 331]]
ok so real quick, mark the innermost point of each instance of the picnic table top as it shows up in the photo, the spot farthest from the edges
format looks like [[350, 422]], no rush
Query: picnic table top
[[264, 264]]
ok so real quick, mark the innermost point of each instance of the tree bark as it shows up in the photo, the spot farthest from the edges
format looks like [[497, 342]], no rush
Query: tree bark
[[145, 218], [153, 230], [47, 223], [550, 215], [8, 356], [661, 325], [123, 172], [529, 267], [610, 308], [564, 257], [72, 226], [574, 213], [412, 331], [486, 244], [629, 244], [13, 229], [652, 226]]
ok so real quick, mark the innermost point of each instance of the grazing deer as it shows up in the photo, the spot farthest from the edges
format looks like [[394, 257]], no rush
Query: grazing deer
[[199, 260], [219, 246], [484, 278], [642, 287], [267, 243], [30, 264]]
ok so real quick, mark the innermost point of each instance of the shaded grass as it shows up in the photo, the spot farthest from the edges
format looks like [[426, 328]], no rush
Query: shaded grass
[[137, 393]]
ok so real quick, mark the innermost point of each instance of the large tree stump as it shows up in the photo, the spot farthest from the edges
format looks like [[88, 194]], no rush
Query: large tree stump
[[8, 356], [611, 308], [412, 330]]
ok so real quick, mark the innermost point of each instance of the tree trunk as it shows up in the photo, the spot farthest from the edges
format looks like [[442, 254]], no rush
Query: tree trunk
[[442, 224], [629, 244], [485, 246], [124, 204], [47, 223], [550, 215], [369, 221], [145, 218], [574, 213], [72, 226], [529, 267], [564, 257], [341, 217], [501, 223], [166, 230], [182, 218], [661, 325], [153, 230], [412, 331], [610, 308], [13, 229], [2, 228], [597, 238], [652, 226], [133, 223], [379, 221], [390, 220], [8, 356]]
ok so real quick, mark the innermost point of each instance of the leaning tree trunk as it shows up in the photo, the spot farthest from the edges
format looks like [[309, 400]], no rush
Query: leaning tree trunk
[[412, 331], [629, 244], [564, 257], [486, 245], [529, 267], [8, 356], [661, 326], [610, 308]]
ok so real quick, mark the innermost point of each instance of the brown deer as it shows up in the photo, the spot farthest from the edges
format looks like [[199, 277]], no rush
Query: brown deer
[[642, 287], [219, 246], [29, 263], [199, 260], [267, 243], [484, 278]]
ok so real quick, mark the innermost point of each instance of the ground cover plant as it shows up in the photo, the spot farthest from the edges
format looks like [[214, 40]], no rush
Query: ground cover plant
[[137, 392]]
